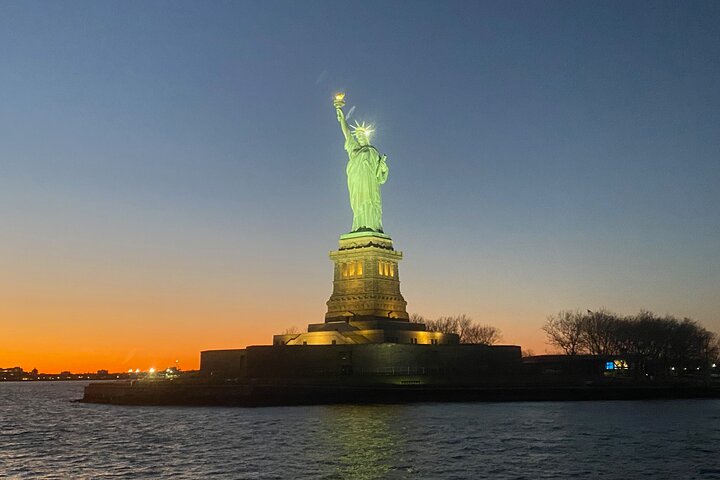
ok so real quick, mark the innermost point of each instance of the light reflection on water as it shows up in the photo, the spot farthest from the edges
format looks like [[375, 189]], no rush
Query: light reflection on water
[[45, 435], [366, 440]]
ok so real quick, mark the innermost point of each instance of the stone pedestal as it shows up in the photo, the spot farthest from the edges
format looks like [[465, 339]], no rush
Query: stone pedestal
[[366, 305], [366, 282]]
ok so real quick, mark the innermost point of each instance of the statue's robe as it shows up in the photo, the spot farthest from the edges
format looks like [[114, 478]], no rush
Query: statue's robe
[[366, 171]]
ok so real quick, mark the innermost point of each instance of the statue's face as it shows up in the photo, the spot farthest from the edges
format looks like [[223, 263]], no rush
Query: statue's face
[[361, 138]]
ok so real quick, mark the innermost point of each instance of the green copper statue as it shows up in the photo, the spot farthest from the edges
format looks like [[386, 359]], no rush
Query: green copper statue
[[366, 171]]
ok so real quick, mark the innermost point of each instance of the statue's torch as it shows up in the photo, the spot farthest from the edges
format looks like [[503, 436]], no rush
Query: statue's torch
[[339, 100]]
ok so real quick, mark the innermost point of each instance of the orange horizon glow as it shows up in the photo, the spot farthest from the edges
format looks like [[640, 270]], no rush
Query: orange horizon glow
[[86, 310], [84, 306], [133, 336], [65, 316], [120, 359]]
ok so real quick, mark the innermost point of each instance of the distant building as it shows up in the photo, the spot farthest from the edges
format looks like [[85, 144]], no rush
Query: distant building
[[11, 374]]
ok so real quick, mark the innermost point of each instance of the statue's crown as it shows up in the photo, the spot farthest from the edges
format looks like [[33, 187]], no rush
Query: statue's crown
[[363, 128]]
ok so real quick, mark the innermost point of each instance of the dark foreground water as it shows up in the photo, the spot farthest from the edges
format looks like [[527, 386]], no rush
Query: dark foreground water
[[45, 435]]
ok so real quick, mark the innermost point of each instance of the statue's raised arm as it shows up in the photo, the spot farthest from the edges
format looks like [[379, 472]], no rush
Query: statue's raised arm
[[339, 103], [366, 171]]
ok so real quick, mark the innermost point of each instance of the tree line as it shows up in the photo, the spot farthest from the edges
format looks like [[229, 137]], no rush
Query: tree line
[[660, 341], [465, 327]]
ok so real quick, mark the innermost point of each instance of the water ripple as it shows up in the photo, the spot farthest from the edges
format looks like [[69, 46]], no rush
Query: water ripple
[[44, 435]]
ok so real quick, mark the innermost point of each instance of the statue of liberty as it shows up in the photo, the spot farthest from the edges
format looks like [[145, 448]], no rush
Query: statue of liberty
[[366, 171]]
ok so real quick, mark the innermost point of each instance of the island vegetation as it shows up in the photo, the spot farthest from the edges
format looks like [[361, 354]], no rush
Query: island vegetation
[[464, 326], [663, 342]]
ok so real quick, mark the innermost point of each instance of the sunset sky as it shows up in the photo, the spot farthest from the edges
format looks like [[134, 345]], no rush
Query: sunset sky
[[172, 174]]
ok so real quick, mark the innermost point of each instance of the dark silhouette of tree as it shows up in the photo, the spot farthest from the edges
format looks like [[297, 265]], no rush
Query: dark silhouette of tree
[[565, 330], [602, 332], [656, 344], [481, 334], [463, 326]]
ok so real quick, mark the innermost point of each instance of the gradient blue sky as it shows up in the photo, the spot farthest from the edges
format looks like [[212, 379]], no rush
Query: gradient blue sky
[[175, 171]]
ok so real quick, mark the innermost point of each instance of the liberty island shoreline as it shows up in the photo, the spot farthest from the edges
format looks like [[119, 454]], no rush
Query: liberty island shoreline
[[264, 395]]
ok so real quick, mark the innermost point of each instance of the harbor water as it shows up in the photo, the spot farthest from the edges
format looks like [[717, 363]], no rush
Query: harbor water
[[45, 434]]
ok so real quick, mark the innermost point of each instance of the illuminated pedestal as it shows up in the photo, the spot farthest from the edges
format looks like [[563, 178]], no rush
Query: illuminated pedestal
[[366, 284], [366, 305]]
